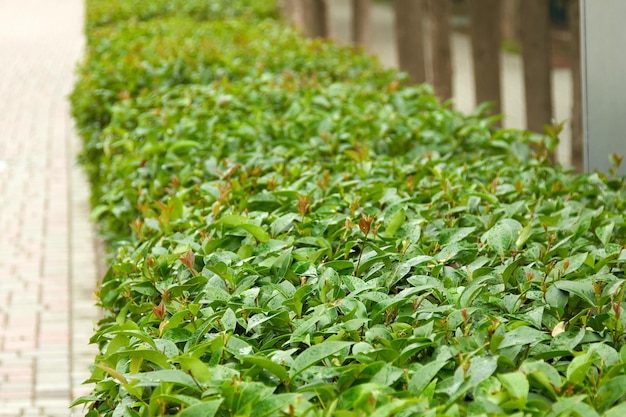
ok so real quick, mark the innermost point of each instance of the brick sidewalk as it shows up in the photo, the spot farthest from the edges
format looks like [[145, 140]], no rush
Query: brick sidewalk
[[47, 257]]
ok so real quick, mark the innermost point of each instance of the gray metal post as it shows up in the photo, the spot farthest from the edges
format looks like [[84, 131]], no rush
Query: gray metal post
[[603, 50]]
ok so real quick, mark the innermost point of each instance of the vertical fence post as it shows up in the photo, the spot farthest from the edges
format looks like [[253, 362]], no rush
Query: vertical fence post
[[536, 48], [316, 19], [360, 22], [485, 33], [577, 97], [439, 11], [409, 16], [511, 27], [293, 12]]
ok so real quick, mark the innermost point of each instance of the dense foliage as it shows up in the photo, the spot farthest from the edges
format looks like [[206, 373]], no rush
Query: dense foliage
[[297, 232]]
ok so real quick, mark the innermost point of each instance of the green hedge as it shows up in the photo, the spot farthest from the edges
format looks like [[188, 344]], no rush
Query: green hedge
[[133, 59], [113, 12], [296, 231]]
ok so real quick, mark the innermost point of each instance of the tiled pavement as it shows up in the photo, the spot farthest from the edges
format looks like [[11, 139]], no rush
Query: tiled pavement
[[47, 257]]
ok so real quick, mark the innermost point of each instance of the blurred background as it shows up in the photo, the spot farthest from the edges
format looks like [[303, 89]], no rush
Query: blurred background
[[521, 55]]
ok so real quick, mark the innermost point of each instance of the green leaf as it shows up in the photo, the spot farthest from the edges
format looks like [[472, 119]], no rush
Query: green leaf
[[472, 291], [605, 232], [572, 406], [229, 320], [492, 199], [395, 222], [387, 375], [501, 236], [524, 234], [340, 265], [258, 319], [181, 146], [203, 409], [232, 220], [582, 289], [282, 223], [582, 226], [177, 335], [185, 400], [167, 347], [173, 376], [267, 364], [137, 334], [516, 384], [176, 208], [578, 367], [611, 390], [316, 353], [359, 395], [450, 252], [481, 368], [277, 402], [567, 340], [556, 298], [522, 335], [238, 346], [573, 263], [98, 211], [235, 220], [198, 368], [391, 409], [114, 373], [535, 316], [483, 407], [457, 234], [545, 373], [609, 355], [550, 220], [617, 411], [303, 328], [256, 231], [424, 375], [280, 267], [153, 356]]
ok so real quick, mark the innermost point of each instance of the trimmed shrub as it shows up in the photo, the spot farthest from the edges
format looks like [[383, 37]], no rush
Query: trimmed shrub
[[113, 12], [296, 231], [133, 59]]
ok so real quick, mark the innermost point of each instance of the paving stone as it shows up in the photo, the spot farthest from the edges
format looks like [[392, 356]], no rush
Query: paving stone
[[22, 377], [44, 215], [14, 408], [16, 392], [53, 368], [32, 413]]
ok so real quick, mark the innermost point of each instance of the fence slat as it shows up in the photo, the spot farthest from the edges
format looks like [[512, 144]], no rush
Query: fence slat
[[410, 38], [578, 157], [486, 34], [360, 22], [537, 63], [439, 11], [316, 19], [293, 11]]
